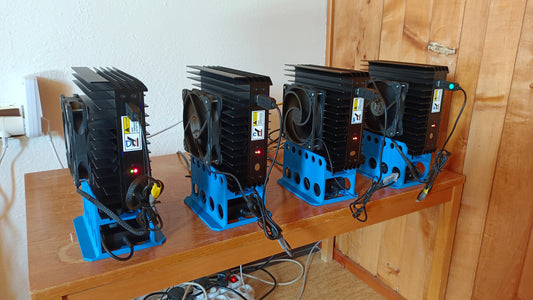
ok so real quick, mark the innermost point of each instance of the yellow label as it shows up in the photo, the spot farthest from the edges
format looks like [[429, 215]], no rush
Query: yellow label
[[254, 118], [126, 124]]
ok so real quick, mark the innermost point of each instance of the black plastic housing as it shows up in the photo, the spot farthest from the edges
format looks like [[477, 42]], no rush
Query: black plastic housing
[[329, 94], [242, 141], [105, 134], [420, 123]]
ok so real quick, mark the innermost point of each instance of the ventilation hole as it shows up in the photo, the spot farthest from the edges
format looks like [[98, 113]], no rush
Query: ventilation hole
[[211, 204], [396, 170], [297, 177], [391, 145], [306, 155], [300, 152], [320, 161], [293, 149], [376, 140], [316, 187], [220, 212], [313, 158], [347, 183], [195, 189], [420, 166], [384, 168], [288, 173], [287, 146], [307, 184], [372, 163], [202, 195], [368, 138]]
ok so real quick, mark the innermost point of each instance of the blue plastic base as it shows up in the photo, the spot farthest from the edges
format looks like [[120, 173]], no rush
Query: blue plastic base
[[305, 175], [87, 229], [210, 197], [391, 160]]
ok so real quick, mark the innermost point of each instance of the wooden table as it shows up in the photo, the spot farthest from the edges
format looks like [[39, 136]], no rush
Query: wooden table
[[192, 250]]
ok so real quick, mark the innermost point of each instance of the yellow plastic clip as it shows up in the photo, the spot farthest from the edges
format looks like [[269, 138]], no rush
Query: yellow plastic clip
[[156, 190]]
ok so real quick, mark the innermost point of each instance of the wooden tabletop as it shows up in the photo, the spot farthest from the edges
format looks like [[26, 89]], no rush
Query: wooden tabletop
[[192, 250]]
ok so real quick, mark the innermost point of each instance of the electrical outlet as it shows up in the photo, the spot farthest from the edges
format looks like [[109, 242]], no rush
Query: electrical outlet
[[11, 121]]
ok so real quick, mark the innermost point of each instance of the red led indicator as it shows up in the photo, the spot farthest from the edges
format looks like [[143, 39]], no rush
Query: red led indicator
[[134, 171], [257, 152], [233, 279], [355, 138], [433, 125]]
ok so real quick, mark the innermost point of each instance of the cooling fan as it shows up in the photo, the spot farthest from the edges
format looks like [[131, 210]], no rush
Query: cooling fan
[[393, 102], [303, 110], [74, 113], [201, 113]]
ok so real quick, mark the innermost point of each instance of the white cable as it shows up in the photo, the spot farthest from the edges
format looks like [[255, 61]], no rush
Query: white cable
[[4, 148], [242, 277], [306, 269], [196, 285], [281, 283], [163, 130], [52, 143]]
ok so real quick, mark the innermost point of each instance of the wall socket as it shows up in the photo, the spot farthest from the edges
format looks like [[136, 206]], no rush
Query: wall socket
[[11, 121]]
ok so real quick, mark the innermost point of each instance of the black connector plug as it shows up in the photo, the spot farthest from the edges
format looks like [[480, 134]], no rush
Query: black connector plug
[[265, 102], [447, 85], [366, 93]]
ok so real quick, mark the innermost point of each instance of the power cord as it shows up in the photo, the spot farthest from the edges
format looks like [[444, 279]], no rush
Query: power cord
[[4, 148], [358, 207], [442, 155]]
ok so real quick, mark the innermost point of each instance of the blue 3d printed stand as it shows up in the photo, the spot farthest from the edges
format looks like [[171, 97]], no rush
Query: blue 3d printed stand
[[305, 175], [210, 198], [88, 226], [392, 161]]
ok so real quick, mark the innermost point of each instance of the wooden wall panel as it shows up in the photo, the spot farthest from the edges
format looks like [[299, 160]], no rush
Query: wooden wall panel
[[488, 111], [525, 290], [405, 34], [510, 214], [485, 35]]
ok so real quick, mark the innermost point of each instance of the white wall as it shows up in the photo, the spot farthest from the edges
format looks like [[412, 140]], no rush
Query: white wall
[[152, 40]]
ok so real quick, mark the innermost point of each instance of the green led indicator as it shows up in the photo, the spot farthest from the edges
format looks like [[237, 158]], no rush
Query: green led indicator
[[451, 86]]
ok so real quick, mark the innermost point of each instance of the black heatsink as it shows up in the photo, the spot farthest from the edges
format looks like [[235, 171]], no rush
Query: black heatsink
[[105, 133], [320, 110], [421, 119], [239, 127]]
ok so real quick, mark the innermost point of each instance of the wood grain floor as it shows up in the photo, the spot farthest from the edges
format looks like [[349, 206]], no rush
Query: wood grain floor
[[324, 281]]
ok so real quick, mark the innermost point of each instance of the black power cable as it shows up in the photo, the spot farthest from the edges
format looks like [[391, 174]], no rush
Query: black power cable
[[442, 155], [147, 215], [358, 207], [125, 240]]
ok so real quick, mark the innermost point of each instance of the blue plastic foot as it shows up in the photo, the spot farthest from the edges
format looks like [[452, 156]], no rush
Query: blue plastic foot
[[210, 199], [305, 175], [392, 161], [88, 226]]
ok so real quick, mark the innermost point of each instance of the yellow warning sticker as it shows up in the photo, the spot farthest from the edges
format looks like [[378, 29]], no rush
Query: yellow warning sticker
[[126, 124], [437, 101], [357, 110], [131, 135]]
